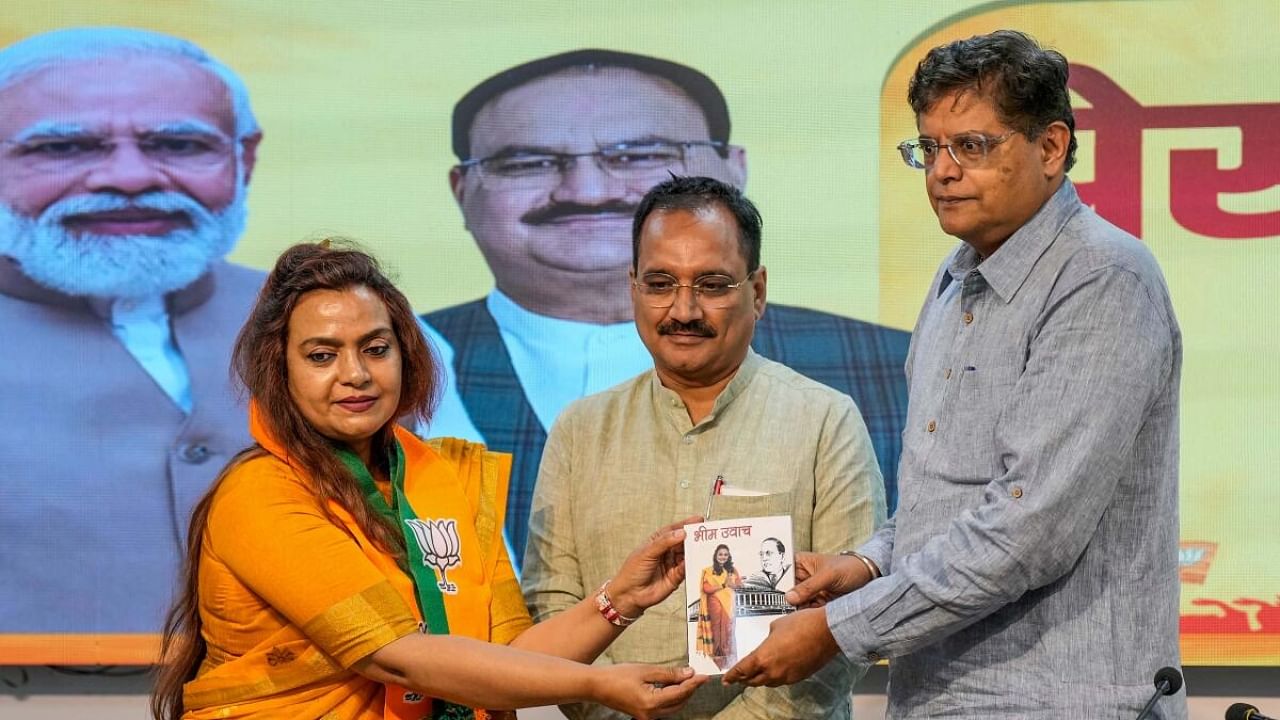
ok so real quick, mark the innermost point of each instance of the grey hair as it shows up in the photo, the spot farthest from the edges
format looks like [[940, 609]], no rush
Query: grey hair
[[90, 43]]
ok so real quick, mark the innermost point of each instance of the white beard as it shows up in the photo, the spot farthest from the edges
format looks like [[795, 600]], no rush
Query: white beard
[[128, 266]]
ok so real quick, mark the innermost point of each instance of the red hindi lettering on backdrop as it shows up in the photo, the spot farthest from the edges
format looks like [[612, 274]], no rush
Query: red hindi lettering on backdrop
[[1233, 617], [1195, 180]]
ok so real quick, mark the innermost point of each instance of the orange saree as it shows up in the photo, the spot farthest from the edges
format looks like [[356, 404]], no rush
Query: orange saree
[[289, 600], [715, 616]]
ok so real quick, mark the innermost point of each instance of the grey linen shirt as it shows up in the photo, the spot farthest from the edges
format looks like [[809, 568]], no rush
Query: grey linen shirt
[[1031, 567], [622, 463]]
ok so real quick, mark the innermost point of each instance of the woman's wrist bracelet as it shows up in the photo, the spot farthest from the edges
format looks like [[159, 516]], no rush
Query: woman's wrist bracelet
[[605, 605]]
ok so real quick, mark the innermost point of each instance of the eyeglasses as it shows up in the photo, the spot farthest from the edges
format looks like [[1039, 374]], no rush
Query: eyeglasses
[[659, 290], [70, 153], [636, 163], [968, 151]]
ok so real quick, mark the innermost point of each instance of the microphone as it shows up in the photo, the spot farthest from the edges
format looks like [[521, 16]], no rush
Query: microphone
[[1168, 681], [1245, 711]]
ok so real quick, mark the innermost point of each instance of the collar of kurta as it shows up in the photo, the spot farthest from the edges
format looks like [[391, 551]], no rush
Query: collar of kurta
[[15, 284], [1010, 265], [666, 401]]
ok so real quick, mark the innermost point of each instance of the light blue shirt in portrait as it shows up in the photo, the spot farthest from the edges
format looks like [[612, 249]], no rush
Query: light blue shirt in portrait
[[557, 361], [142, 326]]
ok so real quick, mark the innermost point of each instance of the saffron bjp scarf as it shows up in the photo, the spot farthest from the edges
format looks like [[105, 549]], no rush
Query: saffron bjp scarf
[[434, 546]]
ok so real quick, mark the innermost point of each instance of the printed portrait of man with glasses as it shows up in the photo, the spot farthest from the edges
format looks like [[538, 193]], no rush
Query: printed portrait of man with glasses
[[553, 157], [124, 161]]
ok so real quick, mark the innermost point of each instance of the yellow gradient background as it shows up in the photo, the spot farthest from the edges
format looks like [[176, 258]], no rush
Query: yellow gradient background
[[355, 99]]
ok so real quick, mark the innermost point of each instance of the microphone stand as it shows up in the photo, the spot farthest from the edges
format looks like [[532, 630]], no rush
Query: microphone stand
[[1168, 681]]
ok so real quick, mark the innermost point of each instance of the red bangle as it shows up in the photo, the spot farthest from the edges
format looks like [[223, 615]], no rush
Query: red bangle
[[605, 605]]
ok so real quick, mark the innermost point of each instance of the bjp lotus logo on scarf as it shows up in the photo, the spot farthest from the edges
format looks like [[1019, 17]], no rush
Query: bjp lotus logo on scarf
[[441, 548]]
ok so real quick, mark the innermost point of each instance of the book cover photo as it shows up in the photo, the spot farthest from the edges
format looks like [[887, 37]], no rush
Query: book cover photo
[[736, 573]]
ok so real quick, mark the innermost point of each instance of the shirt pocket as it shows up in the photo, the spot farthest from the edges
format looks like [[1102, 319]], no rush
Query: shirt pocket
[[732, 507], [983, 394], [985, 390]]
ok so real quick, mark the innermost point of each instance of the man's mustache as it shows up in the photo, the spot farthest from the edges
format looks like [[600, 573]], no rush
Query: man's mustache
[[102, 202], [561, 210], [693, 327]]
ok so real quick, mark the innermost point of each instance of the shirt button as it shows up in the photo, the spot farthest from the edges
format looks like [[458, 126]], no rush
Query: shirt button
[[946, 374], [193, 453], [931, 426], [688, 439], [968, 318], [684, 484], [675, 403], [1016, 492]]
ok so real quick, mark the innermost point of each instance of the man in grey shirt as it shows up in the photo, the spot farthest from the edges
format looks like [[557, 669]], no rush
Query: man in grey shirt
[[1031, 568]]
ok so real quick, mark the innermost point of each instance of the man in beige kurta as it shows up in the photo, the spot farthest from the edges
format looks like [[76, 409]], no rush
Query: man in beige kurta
[[623, 462]]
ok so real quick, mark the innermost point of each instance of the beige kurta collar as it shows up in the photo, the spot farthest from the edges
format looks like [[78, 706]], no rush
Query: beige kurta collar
[[667, 403]]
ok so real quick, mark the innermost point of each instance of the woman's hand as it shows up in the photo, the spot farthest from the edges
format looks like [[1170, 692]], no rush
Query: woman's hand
[[644, 691], [651, 572]]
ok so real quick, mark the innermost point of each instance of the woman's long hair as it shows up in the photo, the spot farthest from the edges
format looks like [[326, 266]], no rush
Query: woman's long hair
[[259, 362], [716, 567]]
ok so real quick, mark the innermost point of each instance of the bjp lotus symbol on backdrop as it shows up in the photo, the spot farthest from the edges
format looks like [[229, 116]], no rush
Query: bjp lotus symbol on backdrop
[[441, 548]]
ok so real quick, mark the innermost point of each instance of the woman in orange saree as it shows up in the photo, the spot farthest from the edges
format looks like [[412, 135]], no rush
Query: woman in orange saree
[[343, 568], [715, 609]]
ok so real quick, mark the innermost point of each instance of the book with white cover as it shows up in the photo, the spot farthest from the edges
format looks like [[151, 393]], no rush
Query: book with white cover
[[736, 573]]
